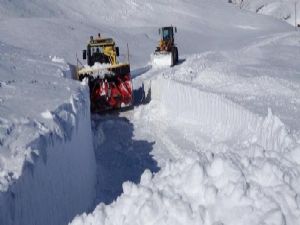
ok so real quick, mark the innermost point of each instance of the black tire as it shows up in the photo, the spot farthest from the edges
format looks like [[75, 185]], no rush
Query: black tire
[[176, 54], [173, 58]]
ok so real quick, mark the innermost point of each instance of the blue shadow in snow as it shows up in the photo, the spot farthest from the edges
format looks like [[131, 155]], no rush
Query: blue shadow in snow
[[119, 157], [141, 96]]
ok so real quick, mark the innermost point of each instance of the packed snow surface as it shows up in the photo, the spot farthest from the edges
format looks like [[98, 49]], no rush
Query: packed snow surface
[[214, 140]]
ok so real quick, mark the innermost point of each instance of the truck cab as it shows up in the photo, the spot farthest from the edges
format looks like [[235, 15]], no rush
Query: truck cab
[[167, 33], [110, 84], [101, 50]]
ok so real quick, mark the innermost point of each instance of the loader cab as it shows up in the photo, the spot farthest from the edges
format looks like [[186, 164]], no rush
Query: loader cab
[[167, 33]]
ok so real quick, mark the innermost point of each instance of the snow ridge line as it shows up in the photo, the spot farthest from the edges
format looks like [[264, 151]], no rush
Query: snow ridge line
[[220, 118]]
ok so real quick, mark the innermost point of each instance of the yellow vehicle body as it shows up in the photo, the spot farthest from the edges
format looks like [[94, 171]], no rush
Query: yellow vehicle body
[[99, 50]]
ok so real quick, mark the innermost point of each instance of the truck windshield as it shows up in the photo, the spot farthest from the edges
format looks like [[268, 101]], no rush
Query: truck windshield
[[96, 49], [167, 34]]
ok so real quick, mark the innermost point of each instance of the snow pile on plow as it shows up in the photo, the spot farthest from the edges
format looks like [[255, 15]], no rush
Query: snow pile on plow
[[161, 60]]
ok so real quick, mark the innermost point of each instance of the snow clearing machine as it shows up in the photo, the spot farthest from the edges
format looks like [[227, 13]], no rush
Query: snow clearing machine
[[109, 81], [166, 53]]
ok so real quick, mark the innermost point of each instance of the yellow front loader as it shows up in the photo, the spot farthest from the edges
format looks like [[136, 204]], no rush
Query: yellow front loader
[[166, 53]]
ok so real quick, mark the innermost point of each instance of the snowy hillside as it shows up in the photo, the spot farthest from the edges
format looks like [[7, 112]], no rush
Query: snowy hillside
[[136, 23], [281, 9], [218, 141]]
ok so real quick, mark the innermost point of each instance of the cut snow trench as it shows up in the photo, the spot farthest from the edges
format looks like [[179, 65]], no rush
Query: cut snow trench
[[241, 166], [60, 175]]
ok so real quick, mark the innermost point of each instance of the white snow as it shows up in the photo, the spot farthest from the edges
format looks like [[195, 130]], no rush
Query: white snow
[[97, 70], [281, 9], [161, 60], [225, 160], [226, 131], [47, 164], [223, 126], [57, 59]]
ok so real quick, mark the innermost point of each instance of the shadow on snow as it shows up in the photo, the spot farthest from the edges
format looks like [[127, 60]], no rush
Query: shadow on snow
[[141, 96], [119, 157]]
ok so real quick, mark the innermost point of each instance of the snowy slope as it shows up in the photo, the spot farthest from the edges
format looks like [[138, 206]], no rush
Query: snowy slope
[[136, 23], [281, 9]]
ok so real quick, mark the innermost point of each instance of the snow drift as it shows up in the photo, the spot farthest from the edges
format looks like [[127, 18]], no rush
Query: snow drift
[[218, 117], [199, 190]]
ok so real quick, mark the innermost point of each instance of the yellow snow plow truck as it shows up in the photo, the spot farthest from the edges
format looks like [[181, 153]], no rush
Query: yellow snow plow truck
[[109, 81]]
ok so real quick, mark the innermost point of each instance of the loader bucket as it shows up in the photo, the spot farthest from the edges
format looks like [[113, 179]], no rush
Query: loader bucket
[[159, 59]]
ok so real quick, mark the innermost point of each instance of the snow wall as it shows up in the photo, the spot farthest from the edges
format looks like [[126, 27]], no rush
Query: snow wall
[[219, 117], [59, 180]]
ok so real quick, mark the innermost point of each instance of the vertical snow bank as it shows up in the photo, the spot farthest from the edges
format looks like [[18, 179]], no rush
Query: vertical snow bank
[[47, 162], [58, 177], [218, 117]]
